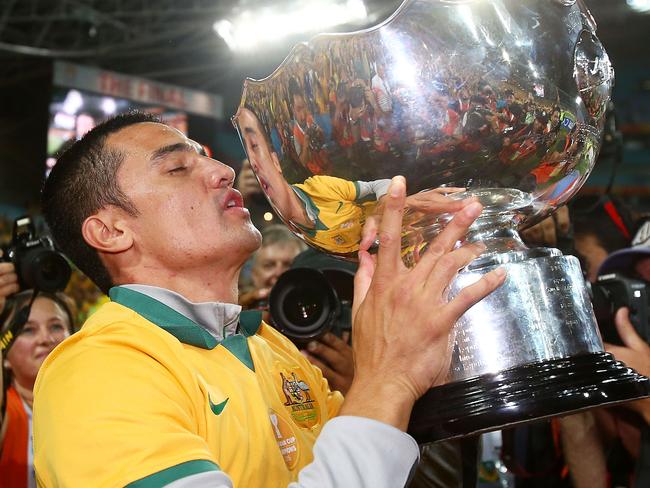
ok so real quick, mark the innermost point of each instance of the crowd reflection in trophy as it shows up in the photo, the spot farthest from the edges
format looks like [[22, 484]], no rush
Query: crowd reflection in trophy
[[344, 114]]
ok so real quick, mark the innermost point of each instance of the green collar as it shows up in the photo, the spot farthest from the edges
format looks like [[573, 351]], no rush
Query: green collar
[[185, 330]]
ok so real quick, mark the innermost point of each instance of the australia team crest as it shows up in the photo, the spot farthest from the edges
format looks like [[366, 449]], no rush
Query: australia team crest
[[299, 399]]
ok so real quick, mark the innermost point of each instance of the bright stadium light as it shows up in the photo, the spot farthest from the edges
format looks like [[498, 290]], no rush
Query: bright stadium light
[[251, 29], [639, 5]]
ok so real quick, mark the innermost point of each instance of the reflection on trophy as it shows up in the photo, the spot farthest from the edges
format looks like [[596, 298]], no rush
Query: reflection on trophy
[[499, 100]]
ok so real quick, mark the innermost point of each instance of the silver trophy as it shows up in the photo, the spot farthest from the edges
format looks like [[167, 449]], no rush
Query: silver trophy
[[502, 100]]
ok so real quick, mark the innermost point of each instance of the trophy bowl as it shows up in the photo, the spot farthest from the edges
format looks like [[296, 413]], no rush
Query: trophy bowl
[[500, 100]]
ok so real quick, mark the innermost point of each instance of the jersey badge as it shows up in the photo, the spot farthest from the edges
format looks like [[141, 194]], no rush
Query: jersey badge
[[304, 409]]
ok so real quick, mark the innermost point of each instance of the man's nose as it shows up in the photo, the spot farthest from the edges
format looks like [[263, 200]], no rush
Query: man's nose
[[219, 175]]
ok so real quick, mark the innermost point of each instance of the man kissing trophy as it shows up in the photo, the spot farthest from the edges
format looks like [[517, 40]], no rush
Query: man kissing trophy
[[501, 101]]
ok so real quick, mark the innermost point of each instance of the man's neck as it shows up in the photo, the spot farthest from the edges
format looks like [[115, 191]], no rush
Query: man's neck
[[196, 286]]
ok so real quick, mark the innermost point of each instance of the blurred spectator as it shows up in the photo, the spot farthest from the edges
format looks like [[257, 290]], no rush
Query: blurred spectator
[[600, 227], [8, 282], [50, 320], [279, 247], [614, 444]]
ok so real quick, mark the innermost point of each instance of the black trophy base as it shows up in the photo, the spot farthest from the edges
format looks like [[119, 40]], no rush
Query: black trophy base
[[523, 394]]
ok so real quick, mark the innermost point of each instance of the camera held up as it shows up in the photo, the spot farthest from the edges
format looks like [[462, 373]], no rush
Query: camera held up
[[613, 291], [307, 303], [38, 264]]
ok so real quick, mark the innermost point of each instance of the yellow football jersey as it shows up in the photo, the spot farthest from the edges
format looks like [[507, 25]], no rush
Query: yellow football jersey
[[335, 205], [142, 396]]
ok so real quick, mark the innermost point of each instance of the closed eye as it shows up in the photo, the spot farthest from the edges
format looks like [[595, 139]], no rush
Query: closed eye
[[177, 169]]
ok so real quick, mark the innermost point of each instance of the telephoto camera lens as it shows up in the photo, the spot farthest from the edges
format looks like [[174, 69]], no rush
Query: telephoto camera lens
[[303, 304], [43, 269]]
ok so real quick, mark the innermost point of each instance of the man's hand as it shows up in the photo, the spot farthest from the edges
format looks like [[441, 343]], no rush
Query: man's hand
[[401, 317], [253, 298], [8, 282], [431, 202], [334, 358], [635, 354]]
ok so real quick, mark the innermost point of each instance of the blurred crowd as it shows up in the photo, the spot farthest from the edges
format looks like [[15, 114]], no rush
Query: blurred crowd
[[351, 112]]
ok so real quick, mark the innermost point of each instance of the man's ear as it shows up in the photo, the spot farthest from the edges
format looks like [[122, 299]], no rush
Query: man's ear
[[276, 161], [107, 231]]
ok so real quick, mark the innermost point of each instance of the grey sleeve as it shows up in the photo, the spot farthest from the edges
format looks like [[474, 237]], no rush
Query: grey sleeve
[[209, 479], [354, 452], [378, 187], [357, 452]]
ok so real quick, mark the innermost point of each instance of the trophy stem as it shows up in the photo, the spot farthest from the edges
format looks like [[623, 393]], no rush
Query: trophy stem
[[498, 233]]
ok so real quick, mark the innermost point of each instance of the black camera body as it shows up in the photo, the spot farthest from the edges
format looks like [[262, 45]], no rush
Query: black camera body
[[613, 291], [306, 303], [38, 265]]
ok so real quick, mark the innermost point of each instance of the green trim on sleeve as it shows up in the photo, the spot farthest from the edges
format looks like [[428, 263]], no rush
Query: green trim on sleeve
[[169, 475], [357, 189]]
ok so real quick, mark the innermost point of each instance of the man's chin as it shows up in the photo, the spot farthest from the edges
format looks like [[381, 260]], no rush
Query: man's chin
[[255, 237]]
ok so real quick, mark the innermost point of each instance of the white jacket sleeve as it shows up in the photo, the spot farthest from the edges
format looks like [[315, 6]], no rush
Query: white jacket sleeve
[[354, 452]]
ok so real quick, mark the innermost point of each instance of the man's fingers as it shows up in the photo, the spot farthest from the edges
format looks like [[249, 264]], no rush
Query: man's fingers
[[474, 293], [369, 232], [445, 268], [326, 353], [390, 230], [325, 369], [334, 342], [446, 190], [458, 226], [10, 289], [626, 330], [8, 278], [6, 268], [362, 280]]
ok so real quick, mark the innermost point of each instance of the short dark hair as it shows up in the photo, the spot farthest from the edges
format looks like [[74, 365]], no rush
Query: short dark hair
[[83, 181]]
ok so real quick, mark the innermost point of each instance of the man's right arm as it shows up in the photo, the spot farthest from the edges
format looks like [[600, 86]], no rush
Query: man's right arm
[[401, 332]]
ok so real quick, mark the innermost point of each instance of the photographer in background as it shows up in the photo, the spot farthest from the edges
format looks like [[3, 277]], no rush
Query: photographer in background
[[311, 304], [611, 447], [633, 262], [32, 323], [279, 247]]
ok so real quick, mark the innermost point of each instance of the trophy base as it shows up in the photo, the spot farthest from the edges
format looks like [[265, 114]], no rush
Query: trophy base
[[523, 394]]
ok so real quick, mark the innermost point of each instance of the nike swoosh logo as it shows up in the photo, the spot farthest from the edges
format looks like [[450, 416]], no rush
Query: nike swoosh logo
[[217, 408]]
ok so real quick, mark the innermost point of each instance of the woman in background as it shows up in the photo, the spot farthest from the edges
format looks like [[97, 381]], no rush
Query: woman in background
[[49, 322]]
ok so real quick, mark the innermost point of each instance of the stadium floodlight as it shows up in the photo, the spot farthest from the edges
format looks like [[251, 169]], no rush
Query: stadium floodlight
[[268, 24], [639, 5]]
